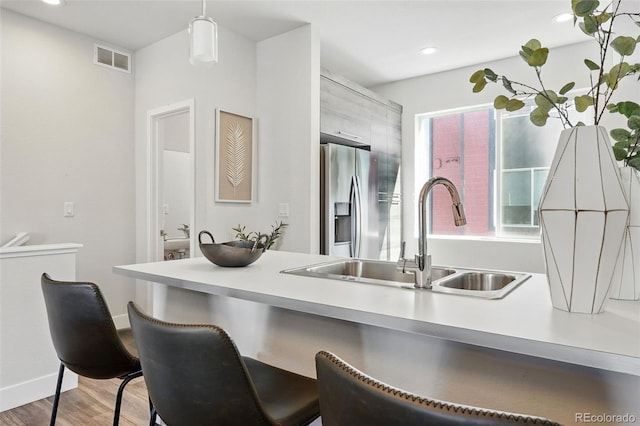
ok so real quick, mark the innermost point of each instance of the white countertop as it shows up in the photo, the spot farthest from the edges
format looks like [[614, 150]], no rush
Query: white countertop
[[523, 322]]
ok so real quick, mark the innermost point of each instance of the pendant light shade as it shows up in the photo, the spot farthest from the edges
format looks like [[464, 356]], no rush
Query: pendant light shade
[[203, 34]]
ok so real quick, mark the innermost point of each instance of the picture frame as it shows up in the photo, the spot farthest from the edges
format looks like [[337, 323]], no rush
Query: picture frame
[[236, 165]]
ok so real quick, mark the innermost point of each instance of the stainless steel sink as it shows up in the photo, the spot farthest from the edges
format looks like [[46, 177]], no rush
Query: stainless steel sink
[[484, 284], [363, 271], [478, 281]]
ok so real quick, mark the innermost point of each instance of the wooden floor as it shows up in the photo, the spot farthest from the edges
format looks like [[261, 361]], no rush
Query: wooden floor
[[91, 404]]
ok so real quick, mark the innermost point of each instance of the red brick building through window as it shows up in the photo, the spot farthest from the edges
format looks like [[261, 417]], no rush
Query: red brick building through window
[[462, 149]]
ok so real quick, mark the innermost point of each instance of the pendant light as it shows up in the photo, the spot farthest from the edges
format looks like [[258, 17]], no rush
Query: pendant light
[[203, 33]]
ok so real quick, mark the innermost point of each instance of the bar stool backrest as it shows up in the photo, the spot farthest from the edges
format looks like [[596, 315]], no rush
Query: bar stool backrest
[[194, 373], [348, 397]]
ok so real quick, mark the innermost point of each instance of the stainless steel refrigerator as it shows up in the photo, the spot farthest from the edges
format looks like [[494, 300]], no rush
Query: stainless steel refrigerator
[[349, 202]]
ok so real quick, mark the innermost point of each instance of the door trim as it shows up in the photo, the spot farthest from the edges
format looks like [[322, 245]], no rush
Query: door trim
[[154, 210]]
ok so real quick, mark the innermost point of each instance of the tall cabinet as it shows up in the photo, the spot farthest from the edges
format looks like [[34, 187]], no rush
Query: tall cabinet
[[354, 115]]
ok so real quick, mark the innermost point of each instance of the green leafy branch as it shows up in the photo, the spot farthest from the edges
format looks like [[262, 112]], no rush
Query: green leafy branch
[[276, 232], [627, 141], [597, 24], [545, 99]]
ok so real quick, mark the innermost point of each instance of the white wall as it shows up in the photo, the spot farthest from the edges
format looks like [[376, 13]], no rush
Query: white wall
[[67, 135], [267, 82], [289, 111], [164, 76], [449, 90], [174, 133], [60, 143], [176, 192]]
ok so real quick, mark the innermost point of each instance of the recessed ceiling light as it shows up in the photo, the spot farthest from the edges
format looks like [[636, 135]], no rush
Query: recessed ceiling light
[[428, 50], [54, 2], [563, 17]]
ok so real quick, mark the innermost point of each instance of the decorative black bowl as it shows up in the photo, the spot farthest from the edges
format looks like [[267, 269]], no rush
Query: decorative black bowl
[[232, 253]]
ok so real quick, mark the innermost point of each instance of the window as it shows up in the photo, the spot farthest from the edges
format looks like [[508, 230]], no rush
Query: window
[[526, 155], [499, 162]]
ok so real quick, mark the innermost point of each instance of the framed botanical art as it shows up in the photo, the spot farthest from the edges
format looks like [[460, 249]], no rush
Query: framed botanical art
[[235, 157]]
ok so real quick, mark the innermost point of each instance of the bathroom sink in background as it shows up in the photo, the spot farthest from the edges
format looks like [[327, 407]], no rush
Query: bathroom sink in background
[[175, 244]]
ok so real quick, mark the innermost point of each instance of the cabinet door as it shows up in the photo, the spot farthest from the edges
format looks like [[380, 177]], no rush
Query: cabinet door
[[344, 112], [393, 149], [378, 167], [389, 198], [393, 172]]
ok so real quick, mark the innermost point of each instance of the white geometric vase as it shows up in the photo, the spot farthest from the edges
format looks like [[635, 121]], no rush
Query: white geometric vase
[[626, 281], [583, 214]]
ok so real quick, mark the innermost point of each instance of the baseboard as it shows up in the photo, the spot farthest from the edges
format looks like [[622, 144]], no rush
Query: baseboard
[[33, 390], [121, 321]]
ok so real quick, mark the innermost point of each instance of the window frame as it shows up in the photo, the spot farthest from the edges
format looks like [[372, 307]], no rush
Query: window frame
[[423, 167]]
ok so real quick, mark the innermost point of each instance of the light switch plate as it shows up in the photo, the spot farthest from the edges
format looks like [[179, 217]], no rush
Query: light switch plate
[[68, 209], [283, 209]]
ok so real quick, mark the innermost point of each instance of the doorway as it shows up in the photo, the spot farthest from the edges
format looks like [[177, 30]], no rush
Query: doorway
[[171, 189]]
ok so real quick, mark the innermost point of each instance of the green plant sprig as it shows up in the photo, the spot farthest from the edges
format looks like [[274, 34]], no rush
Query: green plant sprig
[[627, 141], [603, 83], [597, 24], [276, 232]]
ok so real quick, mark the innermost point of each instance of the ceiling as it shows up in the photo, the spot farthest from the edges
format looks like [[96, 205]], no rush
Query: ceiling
[[370, 42]]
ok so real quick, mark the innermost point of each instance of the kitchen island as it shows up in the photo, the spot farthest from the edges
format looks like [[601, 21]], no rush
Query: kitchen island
[[516, 353]]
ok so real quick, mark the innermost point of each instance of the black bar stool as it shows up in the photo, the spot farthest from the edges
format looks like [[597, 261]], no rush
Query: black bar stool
[[85, 338], [196, 376], [348, 397]]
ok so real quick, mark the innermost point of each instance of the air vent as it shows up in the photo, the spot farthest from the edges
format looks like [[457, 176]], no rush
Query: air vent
[[108, 57]]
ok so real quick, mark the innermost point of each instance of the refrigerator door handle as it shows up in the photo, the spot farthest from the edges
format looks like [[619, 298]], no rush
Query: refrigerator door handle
[[356, 215]]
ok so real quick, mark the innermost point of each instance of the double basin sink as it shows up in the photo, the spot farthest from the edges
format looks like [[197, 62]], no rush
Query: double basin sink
[[469, 282]]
